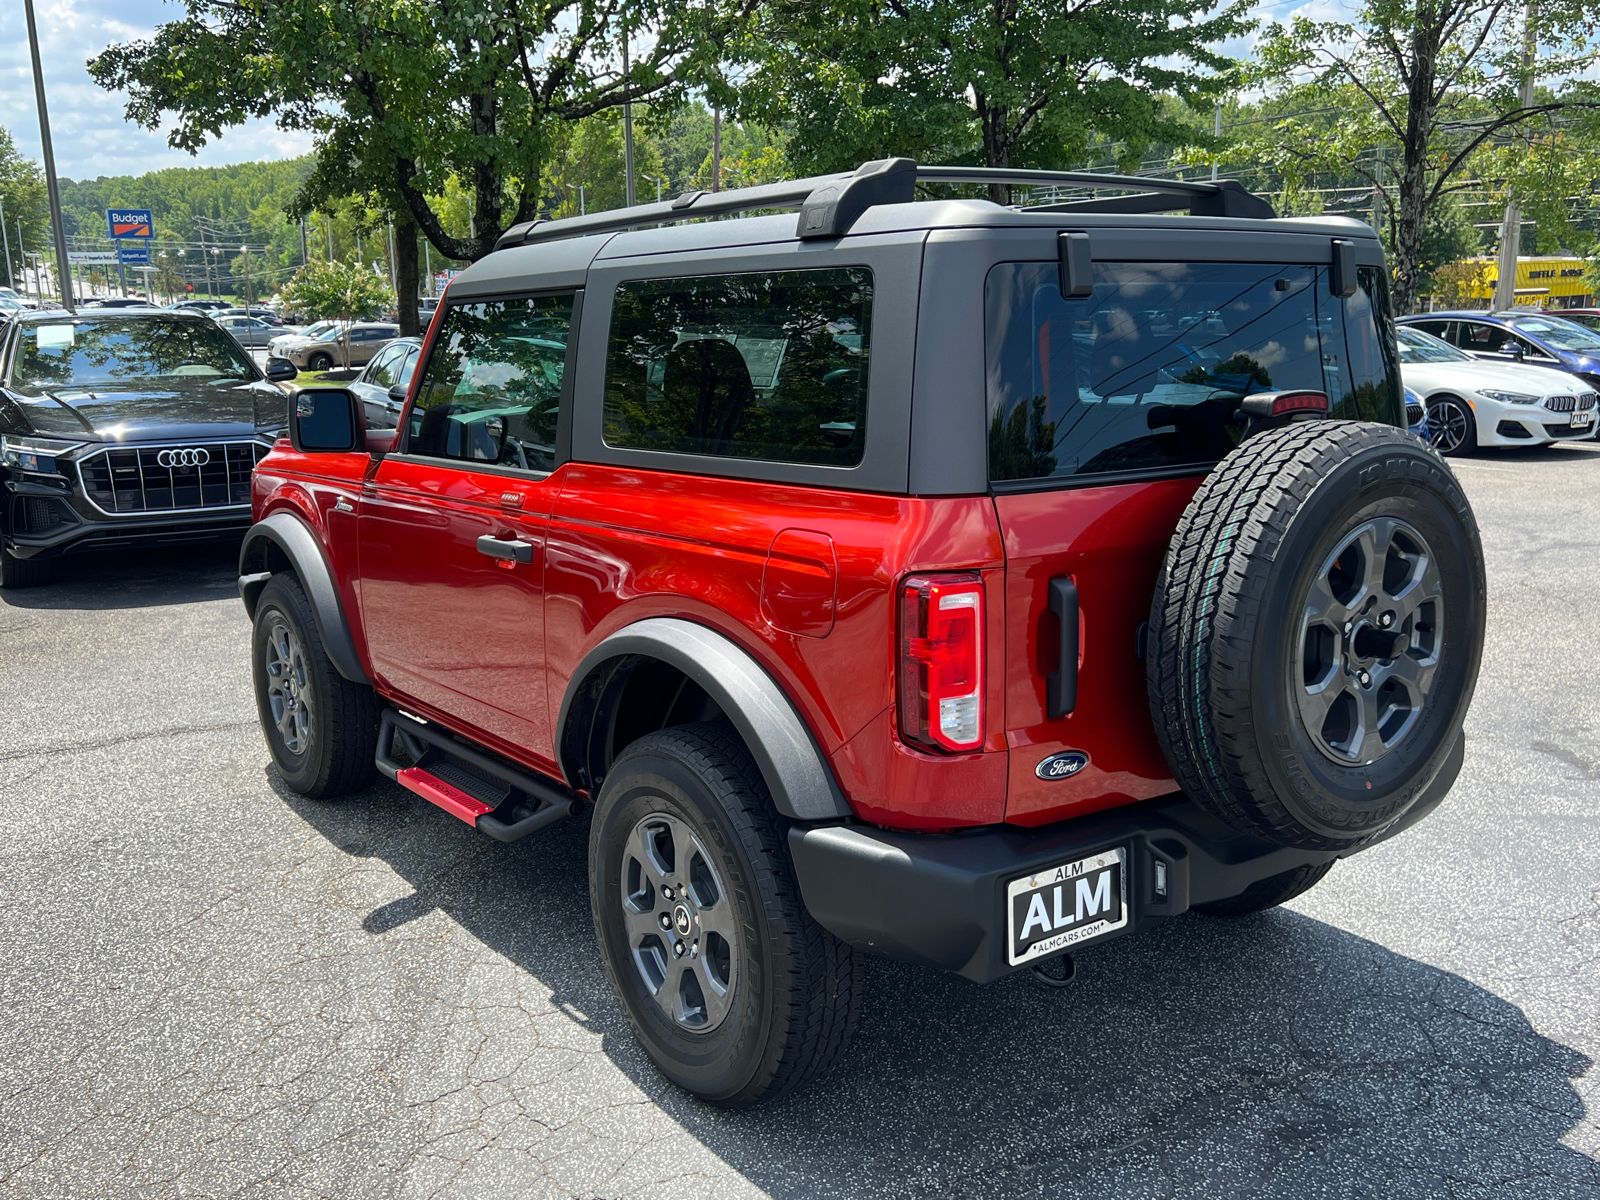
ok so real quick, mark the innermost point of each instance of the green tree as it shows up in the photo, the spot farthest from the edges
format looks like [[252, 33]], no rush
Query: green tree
[[401, 97], [344, 291], [22, 193], [1411, 97], [997, 82]]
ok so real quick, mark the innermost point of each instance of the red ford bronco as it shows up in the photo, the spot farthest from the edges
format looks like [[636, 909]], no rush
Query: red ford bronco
[[957, 582]]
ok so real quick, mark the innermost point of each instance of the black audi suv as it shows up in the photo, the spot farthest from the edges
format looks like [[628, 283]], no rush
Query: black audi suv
[[123, 428]]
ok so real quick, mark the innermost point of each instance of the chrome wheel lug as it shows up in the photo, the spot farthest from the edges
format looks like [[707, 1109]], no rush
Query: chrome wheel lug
[[1366, 679], [1386, 620], [677, 948], [666, 920], [667, 892]]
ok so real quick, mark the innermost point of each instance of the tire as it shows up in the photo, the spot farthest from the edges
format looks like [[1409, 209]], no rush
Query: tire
[[1285, 701], [319, 362], [762, 998], [1269, 893], [24, 572], [322, 729], [1452, 427]]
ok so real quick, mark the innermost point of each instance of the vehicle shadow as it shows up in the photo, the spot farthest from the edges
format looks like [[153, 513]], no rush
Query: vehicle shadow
[[1274, 1055], [136, 578]]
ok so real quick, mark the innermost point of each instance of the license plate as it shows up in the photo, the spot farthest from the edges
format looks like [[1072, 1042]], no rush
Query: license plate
[[1582, 418], [1067, 905]]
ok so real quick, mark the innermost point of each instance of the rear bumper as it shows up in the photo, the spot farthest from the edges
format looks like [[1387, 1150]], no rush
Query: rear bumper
[[939, 899]]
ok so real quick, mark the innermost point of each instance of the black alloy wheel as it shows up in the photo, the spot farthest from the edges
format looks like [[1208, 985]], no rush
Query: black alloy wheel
[[732, 989], [1452, 426]]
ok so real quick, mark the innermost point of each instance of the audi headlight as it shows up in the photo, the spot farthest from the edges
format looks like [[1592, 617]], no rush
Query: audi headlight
[[1509, 397], [34, 455]]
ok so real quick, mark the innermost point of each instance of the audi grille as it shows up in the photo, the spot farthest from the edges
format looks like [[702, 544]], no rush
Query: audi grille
[[142, 479]]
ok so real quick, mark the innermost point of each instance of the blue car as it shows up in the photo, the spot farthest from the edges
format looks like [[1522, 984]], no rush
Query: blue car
[[1537, 338], [1417, 416]]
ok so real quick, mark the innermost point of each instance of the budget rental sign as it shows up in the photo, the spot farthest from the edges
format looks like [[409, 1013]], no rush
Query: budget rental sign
[[128, 222]]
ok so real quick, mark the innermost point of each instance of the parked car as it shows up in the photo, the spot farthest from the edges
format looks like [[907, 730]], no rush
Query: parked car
[[117, 302], [1531, 337], [281, 342], [1474, 402], [261, 314], [203, 305], [1417, 416], [1589, 318], [340, 347], [124, 427], [388, 374], [17, 297], [250, 332], [935, 579]]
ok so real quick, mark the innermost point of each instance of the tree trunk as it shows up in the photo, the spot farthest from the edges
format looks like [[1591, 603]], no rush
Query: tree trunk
[[996, 145], [405, 275], [1413, 189]]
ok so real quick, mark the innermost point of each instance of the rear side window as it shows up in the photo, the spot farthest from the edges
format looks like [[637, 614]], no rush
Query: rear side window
[[492, 389], [1147, 373], [769, 365]]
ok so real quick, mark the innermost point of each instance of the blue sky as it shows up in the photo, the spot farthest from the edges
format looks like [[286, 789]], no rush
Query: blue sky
[[91, 138]]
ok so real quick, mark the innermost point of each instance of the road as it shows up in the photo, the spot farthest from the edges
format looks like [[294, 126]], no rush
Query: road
[[214, 988]]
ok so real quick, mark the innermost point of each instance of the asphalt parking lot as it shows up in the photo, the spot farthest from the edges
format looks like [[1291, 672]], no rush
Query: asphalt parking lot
[[210, 987]]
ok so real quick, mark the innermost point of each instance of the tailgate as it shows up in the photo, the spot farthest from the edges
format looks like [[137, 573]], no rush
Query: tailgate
[[1109, 541]]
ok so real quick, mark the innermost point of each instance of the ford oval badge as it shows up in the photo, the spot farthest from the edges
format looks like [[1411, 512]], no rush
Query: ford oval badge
[[1060, 766]]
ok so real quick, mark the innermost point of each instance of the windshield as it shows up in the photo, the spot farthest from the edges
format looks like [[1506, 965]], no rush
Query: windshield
[[1419, 347], [1553, 331], [331, 333], [68, 353]]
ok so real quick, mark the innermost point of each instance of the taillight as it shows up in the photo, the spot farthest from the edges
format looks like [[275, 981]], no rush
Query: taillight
[[941, 661]]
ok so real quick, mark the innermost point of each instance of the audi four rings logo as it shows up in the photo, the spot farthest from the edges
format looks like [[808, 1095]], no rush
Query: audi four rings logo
[[198, 456]]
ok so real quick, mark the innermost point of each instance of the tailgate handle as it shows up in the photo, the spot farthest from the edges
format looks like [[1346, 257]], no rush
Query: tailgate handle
[[513, 551], [1061, 685]]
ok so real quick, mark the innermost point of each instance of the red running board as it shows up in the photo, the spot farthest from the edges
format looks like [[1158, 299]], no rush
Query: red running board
[[436, 791]]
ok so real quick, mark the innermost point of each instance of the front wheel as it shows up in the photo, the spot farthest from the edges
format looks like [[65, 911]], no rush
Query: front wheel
[[733, 990], [23, 572], [319, 362], [1452, 426], [321, 728]]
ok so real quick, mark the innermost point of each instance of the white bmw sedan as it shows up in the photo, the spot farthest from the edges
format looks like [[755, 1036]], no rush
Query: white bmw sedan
[[1473, 402]]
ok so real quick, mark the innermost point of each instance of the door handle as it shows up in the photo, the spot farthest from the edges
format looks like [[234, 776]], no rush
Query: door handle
[[506, 550], [1061, 685]]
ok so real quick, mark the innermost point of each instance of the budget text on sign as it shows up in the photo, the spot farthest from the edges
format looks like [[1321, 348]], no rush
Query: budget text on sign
[[129, 222]]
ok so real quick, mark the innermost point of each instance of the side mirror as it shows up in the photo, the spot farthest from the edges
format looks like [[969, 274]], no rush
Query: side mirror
[[281, 370], [1516, 352], [397, 393], [325, 420]]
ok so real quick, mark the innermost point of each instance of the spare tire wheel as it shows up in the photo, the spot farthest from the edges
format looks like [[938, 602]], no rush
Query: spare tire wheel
[[1316, 632]]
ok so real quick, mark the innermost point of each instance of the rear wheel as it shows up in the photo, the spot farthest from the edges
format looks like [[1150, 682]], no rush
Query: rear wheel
[[1452, 426], [1316, 633], [23, 572], [730, 986], [321, 728]]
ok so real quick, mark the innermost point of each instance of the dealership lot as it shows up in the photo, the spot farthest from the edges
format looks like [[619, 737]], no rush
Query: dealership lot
[[213, 987]]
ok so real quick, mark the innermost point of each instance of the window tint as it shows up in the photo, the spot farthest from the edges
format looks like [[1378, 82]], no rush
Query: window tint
[[1482, 338], [383, 370], [766, 366], [1365, 384], [492, 389], [81, 353], [1147, 372], [410, 367]]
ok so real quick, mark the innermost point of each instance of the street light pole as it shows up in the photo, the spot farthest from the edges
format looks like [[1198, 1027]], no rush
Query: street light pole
[[11, 279], [56, 227], [627, 130]]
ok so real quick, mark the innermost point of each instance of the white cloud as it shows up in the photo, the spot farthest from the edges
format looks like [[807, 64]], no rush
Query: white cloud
[[87, 127]]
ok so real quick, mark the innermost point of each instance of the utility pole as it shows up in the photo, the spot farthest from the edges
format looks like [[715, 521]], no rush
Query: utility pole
[[394, 279], [627, 129], [716, 149], [1377, 197], [56, 228], [11, 279], [305, 250], [245, 250], [330, 239], [1505, 288], [427, 264], [1216, 132]]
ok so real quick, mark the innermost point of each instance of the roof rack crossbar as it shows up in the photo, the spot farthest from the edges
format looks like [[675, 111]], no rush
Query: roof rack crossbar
[[830, 204]]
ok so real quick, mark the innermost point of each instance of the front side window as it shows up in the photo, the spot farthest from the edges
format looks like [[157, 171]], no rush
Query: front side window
[[1481, 338], [382, 372], [768, 365], [104, 353], [491, 391]]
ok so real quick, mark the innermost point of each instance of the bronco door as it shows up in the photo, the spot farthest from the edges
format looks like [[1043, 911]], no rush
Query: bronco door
[[453, 526]]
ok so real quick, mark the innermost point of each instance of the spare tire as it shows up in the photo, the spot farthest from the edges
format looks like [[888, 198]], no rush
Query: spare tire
[[1316, 632]]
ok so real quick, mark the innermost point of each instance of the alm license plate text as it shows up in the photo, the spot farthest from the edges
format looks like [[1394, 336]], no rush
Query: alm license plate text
[[1067, 905], [1581, 418]]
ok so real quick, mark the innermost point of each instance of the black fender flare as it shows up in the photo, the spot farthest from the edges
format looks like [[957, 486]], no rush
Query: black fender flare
[[802, 784], [293, 537]]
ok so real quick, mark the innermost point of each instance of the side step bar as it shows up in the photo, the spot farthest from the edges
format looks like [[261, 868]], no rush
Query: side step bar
[[502, 801]]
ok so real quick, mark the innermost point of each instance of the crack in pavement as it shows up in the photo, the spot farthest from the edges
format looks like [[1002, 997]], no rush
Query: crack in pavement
[[104, 743]]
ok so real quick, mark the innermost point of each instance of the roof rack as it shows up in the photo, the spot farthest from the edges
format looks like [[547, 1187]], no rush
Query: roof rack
[[830, 204]]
